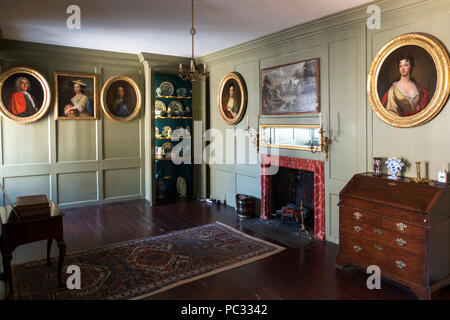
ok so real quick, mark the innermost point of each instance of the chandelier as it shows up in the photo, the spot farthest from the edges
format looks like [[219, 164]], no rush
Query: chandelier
[[193, 74]]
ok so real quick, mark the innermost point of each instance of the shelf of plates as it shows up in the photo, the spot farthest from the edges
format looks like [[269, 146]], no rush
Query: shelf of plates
[[173, 110]]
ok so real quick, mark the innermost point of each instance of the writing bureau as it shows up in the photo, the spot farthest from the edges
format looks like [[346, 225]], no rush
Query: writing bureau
[[401, 226]]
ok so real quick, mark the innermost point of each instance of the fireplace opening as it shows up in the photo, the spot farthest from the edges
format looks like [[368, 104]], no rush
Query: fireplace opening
[[292, 191]]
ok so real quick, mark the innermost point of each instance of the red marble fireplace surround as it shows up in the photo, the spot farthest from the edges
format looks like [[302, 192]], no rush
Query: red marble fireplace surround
[[301, 164]]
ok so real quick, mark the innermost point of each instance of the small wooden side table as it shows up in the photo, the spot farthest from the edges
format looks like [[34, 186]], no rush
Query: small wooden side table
[[14, 233]]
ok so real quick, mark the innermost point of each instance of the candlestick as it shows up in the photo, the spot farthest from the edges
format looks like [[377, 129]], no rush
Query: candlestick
[[418, 171]]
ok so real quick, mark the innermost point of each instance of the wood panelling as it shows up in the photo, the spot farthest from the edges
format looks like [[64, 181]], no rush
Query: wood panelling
[[77, 187], [18, 186], [343, 106], [66, 159], [121, 140], [77, 140], [25, 144], [121, 182]]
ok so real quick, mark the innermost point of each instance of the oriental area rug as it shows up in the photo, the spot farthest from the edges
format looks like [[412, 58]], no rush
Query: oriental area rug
[[140, 268]]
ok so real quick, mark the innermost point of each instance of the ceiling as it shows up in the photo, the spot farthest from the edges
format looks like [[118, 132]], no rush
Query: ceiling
[[159, 26]]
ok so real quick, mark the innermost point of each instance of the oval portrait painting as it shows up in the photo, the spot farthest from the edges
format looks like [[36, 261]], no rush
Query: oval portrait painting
[[121, 99], [25, 95], [408, 80], [232, 98]]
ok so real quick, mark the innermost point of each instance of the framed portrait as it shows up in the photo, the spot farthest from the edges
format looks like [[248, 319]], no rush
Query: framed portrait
[[24, 95], [232, 98], [408, 81], [290, 88], [75, 96], [121, 99]]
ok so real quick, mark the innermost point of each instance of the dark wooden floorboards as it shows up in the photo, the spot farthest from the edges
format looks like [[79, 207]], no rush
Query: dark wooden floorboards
[[302, 273]]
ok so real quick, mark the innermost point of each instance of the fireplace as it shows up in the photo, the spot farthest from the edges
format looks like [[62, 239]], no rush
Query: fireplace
[[314, 166]]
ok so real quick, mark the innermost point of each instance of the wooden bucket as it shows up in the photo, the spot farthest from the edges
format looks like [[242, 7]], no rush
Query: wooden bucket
[[245, 206]]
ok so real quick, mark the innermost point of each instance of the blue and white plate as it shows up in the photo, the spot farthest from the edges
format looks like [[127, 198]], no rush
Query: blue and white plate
[[182, 92], [167, 89], [177, 107]]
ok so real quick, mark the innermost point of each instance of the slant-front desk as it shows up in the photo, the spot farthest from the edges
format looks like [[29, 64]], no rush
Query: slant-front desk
[[401, 226]]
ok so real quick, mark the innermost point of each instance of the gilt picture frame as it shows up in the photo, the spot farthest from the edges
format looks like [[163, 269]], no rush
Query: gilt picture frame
[[121, 99], [76, 96], [232, 98], [24, 95], [291, 88], [408, 80]]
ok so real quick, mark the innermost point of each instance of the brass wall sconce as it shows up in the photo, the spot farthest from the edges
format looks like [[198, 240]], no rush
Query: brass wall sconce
[[324, 145], [253, 137]]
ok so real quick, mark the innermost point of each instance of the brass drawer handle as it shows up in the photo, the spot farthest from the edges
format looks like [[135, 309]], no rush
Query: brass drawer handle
[[394, 184], [401, 242], [357, 248], [400, 264], [378, 231], [401, 226], [357, 215], [357, 228], [378, 248]]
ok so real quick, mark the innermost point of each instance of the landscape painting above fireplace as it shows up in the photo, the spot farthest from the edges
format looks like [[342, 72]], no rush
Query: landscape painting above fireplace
[[290, 88]]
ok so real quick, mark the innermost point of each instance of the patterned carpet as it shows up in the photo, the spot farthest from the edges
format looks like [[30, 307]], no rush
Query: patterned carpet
[[142, 267]]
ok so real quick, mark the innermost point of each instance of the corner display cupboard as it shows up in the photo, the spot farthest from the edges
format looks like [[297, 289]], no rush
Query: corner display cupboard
[[173, 125], [401, 226]]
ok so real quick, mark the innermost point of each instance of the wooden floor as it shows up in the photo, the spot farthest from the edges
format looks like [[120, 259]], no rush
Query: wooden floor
[[301, 273]]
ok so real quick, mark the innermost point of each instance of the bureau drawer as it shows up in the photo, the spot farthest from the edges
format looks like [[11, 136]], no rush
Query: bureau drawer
[[404, 228], [407, 267], [359, 229], [401, 242], [358, 215], [365, 205], [352, 246]]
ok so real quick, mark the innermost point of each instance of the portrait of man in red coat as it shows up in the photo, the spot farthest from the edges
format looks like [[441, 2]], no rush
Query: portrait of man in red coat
[[21, 102]]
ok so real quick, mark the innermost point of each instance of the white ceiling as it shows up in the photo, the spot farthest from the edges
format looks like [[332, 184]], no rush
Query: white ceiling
[[158, 26]]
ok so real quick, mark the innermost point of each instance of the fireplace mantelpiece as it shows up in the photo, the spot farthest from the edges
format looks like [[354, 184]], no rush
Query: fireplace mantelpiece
[[301, 164]]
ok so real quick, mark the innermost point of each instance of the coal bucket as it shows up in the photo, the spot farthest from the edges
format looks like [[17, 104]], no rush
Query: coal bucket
[[245, 206]]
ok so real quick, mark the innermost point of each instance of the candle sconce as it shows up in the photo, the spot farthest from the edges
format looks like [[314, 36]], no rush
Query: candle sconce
[[324, 145], [253, 137]]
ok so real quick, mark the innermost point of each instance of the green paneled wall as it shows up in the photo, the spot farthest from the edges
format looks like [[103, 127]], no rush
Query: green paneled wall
[[345, 48], [73, 162]]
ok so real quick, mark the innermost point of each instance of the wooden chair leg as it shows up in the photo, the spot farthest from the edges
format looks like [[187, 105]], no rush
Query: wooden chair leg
[[49, 248], [62, 254]]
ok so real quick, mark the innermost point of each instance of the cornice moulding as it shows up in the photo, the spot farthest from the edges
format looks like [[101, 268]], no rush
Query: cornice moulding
[[328, 23]]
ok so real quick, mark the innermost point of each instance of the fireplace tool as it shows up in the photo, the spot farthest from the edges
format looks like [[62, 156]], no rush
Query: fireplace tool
[[302, 217]]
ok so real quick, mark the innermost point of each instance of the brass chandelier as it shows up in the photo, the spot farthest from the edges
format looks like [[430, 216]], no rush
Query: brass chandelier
[[193, 74]]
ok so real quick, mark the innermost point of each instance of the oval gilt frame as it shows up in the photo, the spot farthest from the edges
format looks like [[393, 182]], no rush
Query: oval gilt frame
[[46, 95], [441, 60], [243, 106], [105, 108]]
